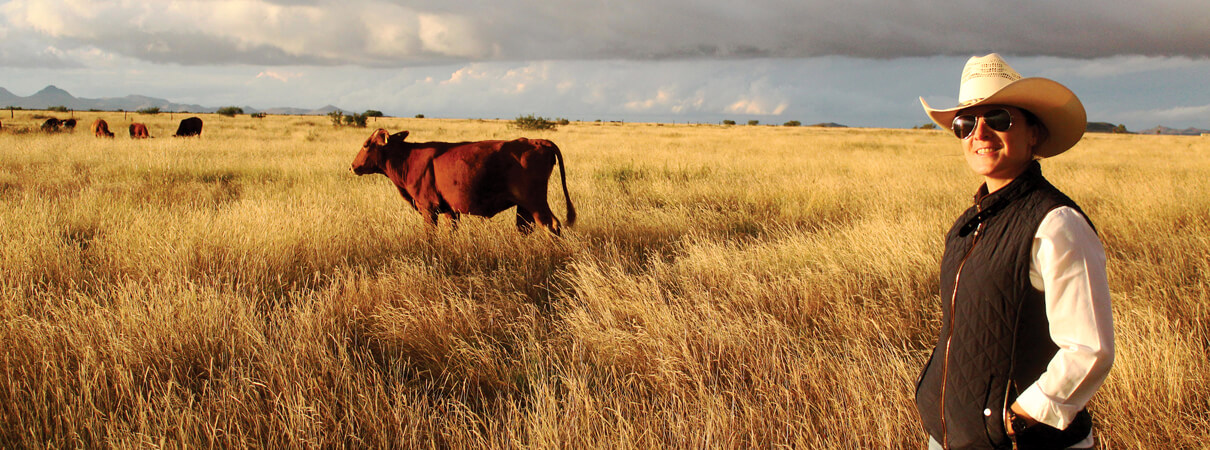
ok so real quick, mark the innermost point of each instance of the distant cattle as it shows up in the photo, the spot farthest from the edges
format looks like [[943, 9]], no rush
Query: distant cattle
[[478, 178], [51, 125], [69, 124], [138, 131], [100, 128], [189, 127]]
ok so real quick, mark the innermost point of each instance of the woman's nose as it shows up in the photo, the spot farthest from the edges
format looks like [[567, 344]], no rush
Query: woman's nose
[[981, 130]]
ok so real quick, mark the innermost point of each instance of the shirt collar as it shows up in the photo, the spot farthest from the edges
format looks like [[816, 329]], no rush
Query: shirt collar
[[989, 205]]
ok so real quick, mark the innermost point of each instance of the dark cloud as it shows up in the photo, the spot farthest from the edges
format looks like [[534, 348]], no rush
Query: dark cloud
[[196, 49], [403, 33]]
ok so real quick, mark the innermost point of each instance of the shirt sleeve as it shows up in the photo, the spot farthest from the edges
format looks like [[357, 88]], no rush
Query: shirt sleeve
[[1069, 266]]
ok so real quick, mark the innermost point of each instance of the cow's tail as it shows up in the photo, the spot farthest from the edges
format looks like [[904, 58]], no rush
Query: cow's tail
[[571, 210]]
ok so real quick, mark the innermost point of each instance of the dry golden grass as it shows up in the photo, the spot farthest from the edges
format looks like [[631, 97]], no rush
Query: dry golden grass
[[724, 287]]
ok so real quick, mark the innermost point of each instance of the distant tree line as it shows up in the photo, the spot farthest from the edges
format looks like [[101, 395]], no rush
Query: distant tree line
[[532, 122], [339, 118]]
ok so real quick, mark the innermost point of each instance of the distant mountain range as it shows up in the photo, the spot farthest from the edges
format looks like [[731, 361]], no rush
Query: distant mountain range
[[52, 96], [1173, 131], [1106, 127]]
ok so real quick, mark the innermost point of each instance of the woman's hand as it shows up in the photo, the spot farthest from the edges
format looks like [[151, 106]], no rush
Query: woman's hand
[[1023, 416]]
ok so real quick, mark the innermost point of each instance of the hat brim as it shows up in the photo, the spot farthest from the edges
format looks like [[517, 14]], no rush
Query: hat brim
[[1056, 106]]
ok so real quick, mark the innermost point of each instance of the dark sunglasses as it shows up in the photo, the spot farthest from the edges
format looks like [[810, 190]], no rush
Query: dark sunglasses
[[998, 119]]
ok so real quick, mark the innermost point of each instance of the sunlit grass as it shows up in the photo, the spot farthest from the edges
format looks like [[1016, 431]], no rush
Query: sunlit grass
[[724, 287]]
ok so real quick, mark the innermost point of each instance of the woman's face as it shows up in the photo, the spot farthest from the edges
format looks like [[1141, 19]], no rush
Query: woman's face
[[1000, 156]]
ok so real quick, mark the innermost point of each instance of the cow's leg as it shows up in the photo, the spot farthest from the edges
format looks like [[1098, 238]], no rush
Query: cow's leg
[[525, 220], [430, 218], [545, 217]]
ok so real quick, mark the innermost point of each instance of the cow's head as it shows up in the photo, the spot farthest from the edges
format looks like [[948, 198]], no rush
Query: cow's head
[[371, 157]]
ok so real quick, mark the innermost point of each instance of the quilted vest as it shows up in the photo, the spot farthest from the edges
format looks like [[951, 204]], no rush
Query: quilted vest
[[994, 338]]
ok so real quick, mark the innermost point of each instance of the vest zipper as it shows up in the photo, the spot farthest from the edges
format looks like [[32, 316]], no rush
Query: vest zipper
[[945, 367]]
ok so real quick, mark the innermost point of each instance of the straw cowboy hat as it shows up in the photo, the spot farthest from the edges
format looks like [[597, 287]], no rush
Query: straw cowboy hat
[[988, 80]]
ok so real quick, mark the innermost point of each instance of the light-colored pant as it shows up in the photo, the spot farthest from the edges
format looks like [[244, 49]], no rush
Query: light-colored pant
[[934, 445]]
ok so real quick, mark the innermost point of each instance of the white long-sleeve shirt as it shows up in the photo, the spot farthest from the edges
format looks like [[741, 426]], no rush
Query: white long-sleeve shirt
[[1069, 266]]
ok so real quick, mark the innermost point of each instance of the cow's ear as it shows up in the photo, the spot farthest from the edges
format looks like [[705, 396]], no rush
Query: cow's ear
[[380, 137], [399, 136]]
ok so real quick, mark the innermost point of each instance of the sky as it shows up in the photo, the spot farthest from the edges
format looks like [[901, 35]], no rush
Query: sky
[[858, 62]]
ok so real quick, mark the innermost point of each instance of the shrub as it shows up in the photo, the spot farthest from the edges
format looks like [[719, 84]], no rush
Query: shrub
[[793, 123], [259, 115], [564, 122], [927, 126], [532, 122], [373, 113], [230, 111], [149, 110], [728, 122], [59, 108], [420, 116], [753, 122], [337, 117]]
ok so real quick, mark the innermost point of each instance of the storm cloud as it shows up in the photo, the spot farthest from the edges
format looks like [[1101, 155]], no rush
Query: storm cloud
[[375, 33]]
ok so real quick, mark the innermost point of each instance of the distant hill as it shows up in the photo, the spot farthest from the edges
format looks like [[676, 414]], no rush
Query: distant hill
[[7, 98], [1106, 127], [302, 112], [829, 125], [53, 96], [1101, 127]]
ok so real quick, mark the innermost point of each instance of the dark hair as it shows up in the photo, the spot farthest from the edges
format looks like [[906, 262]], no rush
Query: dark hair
[[1031, 119]]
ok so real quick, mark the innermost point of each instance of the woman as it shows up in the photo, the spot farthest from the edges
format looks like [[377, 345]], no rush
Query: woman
[[1026, 331]]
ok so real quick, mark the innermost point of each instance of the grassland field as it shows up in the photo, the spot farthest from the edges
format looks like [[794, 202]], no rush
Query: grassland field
[[724, 287]]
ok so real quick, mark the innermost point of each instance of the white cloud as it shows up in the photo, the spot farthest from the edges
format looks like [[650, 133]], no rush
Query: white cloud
[[464, 74], [452, 35], [279, 76], [667, 100], [758, 107]]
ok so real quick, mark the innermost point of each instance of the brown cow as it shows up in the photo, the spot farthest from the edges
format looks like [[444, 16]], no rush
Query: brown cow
[[139, 131], [478, 178], [189, 127], [100, 128]]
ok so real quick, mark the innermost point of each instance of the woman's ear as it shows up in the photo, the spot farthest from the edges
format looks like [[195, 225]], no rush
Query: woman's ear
[[1038, 136]]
